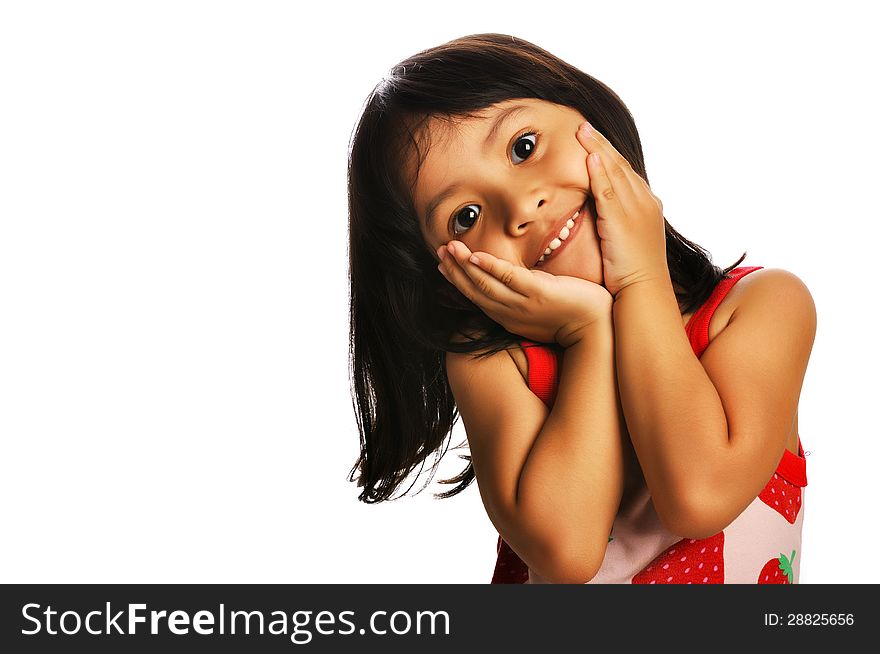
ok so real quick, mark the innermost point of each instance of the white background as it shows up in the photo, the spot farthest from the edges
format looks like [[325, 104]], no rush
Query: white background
[[174, 398]]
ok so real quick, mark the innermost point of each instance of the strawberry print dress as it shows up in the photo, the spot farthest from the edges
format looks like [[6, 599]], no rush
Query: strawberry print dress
[[762, 545]]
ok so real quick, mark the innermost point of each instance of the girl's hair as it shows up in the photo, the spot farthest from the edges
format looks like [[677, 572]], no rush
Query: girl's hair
[[404, 314]]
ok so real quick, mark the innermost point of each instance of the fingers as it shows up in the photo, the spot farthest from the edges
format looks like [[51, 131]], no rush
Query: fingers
[[608, 201], [476, 285], [499, 274], [623, 178]]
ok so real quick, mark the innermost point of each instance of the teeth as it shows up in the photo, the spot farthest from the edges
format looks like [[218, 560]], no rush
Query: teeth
[[563, 234]]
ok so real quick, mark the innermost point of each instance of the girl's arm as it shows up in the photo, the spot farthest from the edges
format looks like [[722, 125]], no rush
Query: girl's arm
[[709, 432], [552, 481]]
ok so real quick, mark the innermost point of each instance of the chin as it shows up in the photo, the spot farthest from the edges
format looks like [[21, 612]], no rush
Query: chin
[[582, 259], [583, 270]]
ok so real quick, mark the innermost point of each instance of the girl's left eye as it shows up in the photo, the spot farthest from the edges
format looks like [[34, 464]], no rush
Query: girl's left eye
[[523, 147]]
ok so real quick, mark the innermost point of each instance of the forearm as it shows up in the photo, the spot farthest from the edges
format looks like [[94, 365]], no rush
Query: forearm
[[574, 472], [673, 413]]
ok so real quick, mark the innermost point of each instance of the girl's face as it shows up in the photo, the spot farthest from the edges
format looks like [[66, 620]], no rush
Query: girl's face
[[509, 190]]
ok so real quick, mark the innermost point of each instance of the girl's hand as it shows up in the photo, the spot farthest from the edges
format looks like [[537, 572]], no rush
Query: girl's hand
[[532, 303], [630, 217]]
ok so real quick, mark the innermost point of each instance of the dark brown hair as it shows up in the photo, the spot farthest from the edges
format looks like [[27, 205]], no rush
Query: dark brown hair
[[404, 314]]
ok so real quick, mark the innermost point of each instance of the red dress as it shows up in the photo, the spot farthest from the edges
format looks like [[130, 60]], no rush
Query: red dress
[[762, 545]]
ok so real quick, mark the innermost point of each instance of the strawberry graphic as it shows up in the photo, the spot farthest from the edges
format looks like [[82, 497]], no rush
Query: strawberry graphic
[[783, 497], [688, 561], [509, 568], [777, 571]]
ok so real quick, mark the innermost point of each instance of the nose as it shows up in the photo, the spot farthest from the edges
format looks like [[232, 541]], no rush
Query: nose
[[522, 214]]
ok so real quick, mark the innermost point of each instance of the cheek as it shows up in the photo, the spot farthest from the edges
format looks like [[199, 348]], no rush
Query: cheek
[[589, 244], [497, 247], [571, 167]]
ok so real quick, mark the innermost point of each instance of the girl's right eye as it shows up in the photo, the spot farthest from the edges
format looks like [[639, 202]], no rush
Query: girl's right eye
[[465, 219]]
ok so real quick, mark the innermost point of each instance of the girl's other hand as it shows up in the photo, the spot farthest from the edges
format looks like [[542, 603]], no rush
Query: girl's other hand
[[630, 222], [532, 303]]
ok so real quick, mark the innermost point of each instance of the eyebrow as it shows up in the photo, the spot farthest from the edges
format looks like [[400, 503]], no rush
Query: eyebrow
[[452, 189]]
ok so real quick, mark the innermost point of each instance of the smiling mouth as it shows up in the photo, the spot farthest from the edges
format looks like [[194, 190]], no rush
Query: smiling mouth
[[564, 236]]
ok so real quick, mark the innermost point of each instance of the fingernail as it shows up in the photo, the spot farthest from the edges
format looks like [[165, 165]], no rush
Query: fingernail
[[586, 128], [441, 252], [474, 260]]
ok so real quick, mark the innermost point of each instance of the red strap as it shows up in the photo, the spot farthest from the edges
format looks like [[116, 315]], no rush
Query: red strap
[[793, 468], [544, 363]]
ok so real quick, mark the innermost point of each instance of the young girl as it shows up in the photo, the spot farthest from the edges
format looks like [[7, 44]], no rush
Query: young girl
[[631, 409]]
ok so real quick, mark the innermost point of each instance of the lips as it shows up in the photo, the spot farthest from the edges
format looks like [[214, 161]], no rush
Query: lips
[[555, 233]]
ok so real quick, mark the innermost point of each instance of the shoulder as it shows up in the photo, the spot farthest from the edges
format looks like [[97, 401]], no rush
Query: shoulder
[[464, 366], [477, 379], [768, 287], [773, 292], [515, 353], [518, 354]]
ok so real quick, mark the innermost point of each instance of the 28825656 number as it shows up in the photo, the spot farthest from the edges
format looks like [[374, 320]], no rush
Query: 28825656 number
[[809, 619]]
